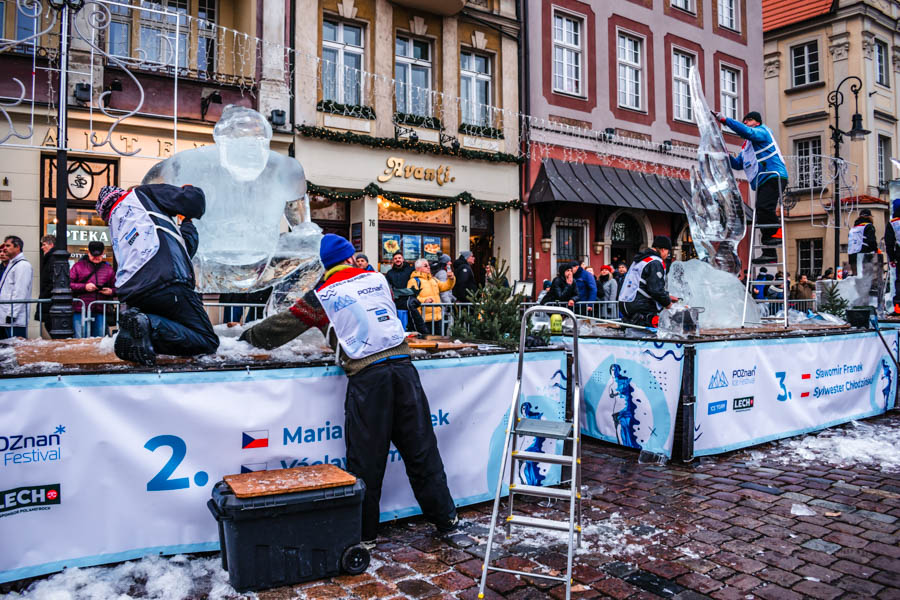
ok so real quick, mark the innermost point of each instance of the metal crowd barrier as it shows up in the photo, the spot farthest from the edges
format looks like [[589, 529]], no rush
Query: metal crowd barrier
[[769, 307], [41, 304]]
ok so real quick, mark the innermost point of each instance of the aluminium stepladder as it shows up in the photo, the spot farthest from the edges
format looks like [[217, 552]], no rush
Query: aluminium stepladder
[[568, 431], [751, 280]]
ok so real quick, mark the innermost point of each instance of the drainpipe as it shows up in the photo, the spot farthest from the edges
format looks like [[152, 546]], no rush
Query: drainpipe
[[527, 223]]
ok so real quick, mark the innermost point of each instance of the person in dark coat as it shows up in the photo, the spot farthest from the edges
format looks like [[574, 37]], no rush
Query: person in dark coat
[[362, 261], [644, 292], [465, 276], [563, 288], [92, 279], [892, 247], [42, 312], [862, 248], [156, 277], [619, 275], [861, 242]]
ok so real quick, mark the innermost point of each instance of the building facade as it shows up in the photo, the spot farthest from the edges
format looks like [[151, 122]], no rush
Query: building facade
[[410, 138], [613, 136], [808, 53]]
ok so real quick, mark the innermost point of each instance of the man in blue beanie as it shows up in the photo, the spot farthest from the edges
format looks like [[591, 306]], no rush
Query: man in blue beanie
[[385, 402]]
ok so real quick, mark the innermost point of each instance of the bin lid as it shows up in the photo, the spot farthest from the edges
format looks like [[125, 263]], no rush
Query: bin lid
[[285, 481]]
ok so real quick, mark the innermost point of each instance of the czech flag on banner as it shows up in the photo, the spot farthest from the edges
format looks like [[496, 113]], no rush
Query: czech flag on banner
[[255, 439]]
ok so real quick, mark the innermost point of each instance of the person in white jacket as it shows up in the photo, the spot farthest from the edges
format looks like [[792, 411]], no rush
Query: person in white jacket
[[15, 285]]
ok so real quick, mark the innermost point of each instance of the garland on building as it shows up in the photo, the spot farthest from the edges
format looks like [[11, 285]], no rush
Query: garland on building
[[358, 111], [415, 120], [415, 205], [347, 137], [481, 131]]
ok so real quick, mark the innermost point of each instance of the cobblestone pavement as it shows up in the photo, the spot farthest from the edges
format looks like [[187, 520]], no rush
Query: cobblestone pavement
[[724, 527]]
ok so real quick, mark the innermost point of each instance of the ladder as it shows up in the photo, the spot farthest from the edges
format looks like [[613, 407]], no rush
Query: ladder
[[752, 278], [568, 431]]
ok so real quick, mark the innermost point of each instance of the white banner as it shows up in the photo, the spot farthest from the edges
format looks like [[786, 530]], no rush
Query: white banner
[[753, 391], [631, 392], [102, 468]]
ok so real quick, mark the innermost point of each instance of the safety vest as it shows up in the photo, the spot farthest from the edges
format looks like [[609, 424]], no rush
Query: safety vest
[[363, 314], [895, 225], [752, 158], [631, 285], [133, 230], [855, 238]]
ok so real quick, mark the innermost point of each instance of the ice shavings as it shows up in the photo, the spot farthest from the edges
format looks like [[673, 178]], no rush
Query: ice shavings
[[155, 577], [801, 510], [310, 345], [874, 444]]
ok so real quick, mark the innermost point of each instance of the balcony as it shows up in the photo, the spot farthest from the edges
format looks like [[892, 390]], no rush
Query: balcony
[[445, 8]]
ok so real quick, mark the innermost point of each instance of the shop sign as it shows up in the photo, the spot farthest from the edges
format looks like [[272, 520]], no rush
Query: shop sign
[[81, 182], [397, 168], [83, 234]]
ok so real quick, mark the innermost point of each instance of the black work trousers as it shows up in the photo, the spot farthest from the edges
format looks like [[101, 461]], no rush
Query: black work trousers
[[385, 403], [179, 324], [767, 196]]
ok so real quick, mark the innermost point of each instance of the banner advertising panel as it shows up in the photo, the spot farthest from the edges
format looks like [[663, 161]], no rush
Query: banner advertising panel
[[631, 392], [108, 467], [753, 391]]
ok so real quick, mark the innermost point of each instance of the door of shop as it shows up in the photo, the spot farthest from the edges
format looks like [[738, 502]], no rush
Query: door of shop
[[627, 239]]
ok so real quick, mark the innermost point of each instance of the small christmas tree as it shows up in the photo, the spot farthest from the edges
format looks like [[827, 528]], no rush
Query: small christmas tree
[[494, 315], [832, 302]]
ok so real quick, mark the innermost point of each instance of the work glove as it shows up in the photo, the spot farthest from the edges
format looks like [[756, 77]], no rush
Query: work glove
[[719, 116]]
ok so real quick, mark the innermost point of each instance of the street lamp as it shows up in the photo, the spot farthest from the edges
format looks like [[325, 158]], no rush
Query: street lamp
[[856, 134], [61, 295]]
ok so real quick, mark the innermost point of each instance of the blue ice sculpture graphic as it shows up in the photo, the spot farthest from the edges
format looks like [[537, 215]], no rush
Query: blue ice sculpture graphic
[[625, 404], [625, 420], [530, 472], [887, 377]]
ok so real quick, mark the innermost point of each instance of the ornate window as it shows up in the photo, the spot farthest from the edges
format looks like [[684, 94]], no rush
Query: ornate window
[[681, 87], [342, 61], [630, 71], [475, 88], [412, 72], [729, 92], [567, 54], [809, 162], [805, 63]]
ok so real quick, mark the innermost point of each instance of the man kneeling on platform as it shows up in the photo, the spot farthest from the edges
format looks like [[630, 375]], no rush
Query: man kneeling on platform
[[644, 291], [156, 277], [385, 402]]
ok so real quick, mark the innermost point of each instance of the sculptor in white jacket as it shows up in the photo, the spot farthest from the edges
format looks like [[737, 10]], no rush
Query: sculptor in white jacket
[[15, 285]]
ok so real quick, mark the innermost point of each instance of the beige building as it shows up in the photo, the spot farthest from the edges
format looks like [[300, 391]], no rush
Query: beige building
[[426, 94], [810, 48], [416, 97]]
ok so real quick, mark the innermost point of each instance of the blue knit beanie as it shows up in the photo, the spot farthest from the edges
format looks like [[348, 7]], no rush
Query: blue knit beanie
[[334, 249]]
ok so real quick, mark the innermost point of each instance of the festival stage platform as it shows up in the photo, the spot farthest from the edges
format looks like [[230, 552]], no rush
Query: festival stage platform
[[729, 389], [118, 462]]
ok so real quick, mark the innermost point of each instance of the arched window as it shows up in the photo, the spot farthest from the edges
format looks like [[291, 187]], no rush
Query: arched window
[[687, 245], [626, 237]]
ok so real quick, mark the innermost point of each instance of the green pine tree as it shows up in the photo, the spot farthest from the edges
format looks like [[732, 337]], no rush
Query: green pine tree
[[495, 315], [832, 302]]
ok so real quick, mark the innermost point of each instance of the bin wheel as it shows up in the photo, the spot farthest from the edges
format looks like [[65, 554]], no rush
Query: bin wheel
[[355, 560]]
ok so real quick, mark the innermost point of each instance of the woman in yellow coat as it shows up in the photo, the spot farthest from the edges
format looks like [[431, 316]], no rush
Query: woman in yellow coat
[[429, 288]]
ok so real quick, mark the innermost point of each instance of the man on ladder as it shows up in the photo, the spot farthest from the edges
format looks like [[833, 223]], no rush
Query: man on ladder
[[862, 251], [762, 162], [892, 247]]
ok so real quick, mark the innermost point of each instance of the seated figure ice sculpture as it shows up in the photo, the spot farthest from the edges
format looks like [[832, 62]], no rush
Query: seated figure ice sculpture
[[249, 190], [715, 212]]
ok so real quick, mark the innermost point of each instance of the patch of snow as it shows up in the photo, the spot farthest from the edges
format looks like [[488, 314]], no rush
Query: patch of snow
[[801, 510], [108, 343], [873, 444], [164, 578]]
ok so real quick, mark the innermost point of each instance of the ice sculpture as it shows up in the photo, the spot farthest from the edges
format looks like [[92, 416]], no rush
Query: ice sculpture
[[720, 294], [249, 189], [716, 211]]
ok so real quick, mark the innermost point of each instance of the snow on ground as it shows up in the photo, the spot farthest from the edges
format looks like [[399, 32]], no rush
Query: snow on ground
[[164, 578], [870, 444]]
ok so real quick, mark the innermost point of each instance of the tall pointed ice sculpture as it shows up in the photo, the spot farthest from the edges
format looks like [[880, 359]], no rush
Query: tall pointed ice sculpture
[[249, 189], [716, 211]]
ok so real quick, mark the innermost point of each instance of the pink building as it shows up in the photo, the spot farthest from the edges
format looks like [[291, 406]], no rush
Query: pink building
[[614, 135]]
